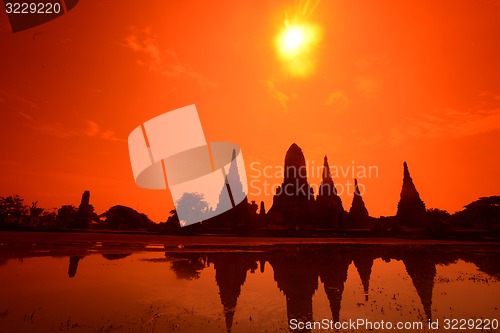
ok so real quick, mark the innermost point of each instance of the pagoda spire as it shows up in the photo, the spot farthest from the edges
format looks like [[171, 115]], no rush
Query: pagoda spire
[[329, 205], [358, 214], [411, 209]]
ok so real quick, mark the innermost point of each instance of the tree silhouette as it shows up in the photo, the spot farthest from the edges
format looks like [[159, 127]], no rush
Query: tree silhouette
[[12, 209], [66, 215], [124, 218], [34, 213], [484, 212], [192, 208]]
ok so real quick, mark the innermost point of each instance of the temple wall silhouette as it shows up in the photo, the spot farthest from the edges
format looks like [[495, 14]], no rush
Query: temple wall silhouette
[[411, 209], [293, 203], [358, 214], [330, 212]]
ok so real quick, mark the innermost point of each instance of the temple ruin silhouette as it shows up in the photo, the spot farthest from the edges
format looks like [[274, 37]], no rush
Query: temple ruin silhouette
[[358, 214], [296, 210], [330, 212], [294, 199], [411, 209]]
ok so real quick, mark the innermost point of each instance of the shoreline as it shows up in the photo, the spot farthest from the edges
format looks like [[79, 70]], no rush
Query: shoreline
[[16, 239]]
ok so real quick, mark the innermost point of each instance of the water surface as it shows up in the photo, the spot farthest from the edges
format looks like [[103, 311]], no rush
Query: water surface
[[58, 282]]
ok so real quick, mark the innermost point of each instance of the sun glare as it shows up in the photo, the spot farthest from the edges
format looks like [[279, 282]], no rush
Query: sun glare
[[295, 45], [293, 39]]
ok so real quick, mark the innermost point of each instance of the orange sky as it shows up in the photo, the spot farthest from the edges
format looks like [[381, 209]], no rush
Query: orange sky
[[392, 81]]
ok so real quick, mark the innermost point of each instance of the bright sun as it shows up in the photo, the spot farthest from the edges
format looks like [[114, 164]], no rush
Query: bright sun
[[293, 39], [295, 45]]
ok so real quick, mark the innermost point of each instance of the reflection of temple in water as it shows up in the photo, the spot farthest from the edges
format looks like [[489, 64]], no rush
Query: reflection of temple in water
[[297, 270], [297, 277], [74, 261], [230, 275], [422, 271], [73, 265], [363, 261], [333, 274]]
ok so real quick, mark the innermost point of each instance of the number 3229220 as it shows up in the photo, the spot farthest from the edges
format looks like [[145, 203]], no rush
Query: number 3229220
[[32, 8]]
